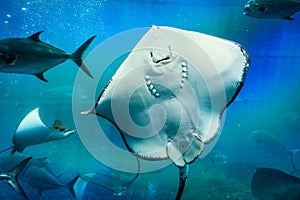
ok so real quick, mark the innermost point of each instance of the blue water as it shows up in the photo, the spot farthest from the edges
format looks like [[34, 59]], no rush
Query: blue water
[[271, 89]]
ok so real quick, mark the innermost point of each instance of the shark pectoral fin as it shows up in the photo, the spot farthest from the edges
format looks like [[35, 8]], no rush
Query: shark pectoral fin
[[36, 36], [41, 76], [77, 56], [175, 155]]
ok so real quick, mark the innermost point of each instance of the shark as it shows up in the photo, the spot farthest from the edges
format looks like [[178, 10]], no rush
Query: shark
[[32, 56], [272, 9], [11, 177], [42, 180], [273, 145], [168, 97], [111, 181], [268, 184], [32, 131]]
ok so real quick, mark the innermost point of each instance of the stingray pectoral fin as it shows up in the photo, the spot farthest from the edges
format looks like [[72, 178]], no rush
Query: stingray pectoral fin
[[77, 56], [41, 77]]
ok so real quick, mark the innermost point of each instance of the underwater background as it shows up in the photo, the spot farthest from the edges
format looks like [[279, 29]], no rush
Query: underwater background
[[268, 101]]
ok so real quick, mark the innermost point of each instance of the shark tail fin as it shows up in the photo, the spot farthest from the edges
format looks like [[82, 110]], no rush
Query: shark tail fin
[[71, 186], [13, 177], [77, 56]]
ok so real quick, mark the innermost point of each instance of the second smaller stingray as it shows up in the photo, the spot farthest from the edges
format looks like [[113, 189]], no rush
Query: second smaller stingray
[[32, 131]]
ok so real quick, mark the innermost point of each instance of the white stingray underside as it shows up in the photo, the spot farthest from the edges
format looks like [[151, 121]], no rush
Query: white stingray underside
[[32, 131], [168, 96]]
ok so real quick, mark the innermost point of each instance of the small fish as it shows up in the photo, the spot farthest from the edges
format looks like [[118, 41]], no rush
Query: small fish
[[269, 184], [280, 9], [11, 177], [32, 56]]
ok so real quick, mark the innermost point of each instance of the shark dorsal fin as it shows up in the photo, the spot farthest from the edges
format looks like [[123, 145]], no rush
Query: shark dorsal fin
[[36, 36]]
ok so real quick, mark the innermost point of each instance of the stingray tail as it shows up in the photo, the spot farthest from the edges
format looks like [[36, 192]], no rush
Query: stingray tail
[[183, 173], [6, 149], [12, 177], [71, 186], [77, 56]]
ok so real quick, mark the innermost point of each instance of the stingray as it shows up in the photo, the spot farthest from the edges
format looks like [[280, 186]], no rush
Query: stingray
[[32, 131], [269, 184], [168, 97]]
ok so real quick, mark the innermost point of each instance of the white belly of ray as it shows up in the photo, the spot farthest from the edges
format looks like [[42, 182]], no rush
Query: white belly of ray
[[169, 95], [32, 131]]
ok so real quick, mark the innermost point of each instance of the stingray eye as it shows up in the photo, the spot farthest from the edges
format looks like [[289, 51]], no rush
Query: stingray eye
[[262, 9]]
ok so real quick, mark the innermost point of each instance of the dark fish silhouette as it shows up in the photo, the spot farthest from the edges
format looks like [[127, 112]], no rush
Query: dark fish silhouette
[[269, 184], [272, 145], [281, 9], [11, 177], [42, 180], [32, 56]]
